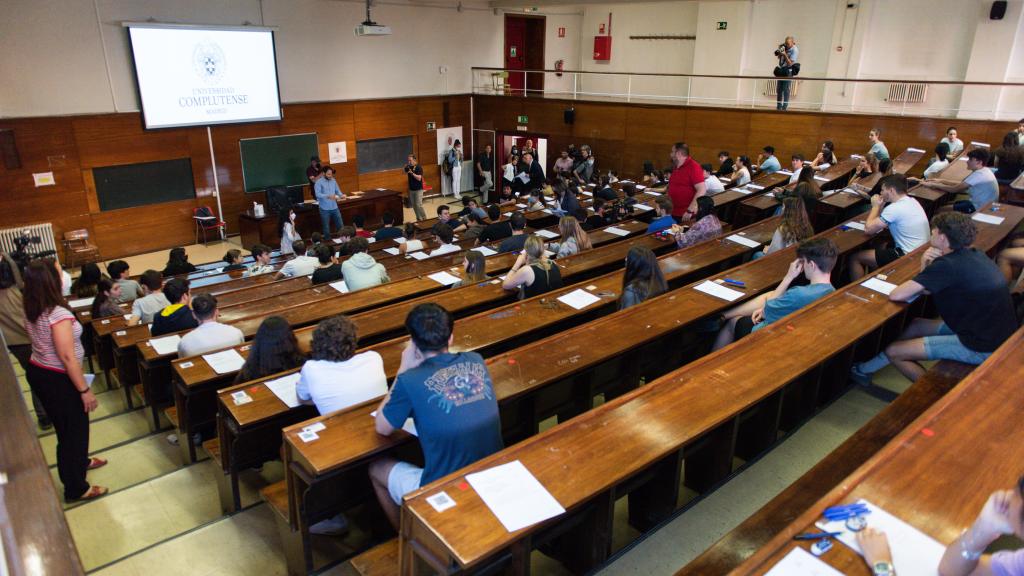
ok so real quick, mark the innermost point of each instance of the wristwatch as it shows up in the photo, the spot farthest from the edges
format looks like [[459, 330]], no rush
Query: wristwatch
[[883, 569]]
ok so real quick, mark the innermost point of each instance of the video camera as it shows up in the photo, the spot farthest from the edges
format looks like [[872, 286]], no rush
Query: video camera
[[617, 211], [22, 256]]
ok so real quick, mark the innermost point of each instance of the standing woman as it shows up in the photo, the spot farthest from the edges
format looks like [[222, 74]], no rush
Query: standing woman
[[55, 375], [455, 160], [533, 273], [508, 171], [643, 278], [288, 232]]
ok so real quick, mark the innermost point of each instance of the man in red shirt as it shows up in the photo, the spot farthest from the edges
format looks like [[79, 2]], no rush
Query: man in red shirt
[[686, 183]]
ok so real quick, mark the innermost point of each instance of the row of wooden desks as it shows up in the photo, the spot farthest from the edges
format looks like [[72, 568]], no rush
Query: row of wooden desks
[[722, 405]]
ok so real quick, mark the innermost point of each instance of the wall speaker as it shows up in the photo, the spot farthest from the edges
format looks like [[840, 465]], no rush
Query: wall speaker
[[9, 150], [998, 10], [569, 115]]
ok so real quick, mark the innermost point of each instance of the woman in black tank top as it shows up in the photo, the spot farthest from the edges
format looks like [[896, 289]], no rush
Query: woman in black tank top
[[533, 273]]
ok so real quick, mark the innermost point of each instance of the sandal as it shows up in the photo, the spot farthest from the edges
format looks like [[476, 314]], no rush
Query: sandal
[[95, 463], [94, 492]]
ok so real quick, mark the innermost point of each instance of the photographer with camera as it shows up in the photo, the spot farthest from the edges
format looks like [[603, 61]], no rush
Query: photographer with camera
[[12, 324], [415, 174], [787, 53]]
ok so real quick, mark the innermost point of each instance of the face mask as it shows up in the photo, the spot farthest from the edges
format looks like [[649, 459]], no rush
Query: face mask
[[292, 217]]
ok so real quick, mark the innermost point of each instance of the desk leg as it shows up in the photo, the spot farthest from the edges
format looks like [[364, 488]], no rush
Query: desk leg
[[656, 499], [761, 428], [711, 462]]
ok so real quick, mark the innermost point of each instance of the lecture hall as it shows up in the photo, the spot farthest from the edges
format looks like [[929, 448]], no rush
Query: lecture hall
[[555, 287]]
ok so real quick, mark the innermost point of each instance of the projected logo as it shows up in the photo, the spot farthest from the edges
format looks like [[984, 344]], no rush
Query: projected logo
[[208, 62]]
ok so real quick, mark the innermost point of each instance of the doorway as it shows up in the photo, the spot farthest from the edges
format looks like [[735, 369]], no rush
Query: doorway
[[524, 50], [506, 140]]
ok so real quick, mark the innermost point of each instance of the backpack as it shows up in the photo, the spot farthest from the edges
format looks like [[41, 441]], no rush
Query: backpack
[[446, 165]]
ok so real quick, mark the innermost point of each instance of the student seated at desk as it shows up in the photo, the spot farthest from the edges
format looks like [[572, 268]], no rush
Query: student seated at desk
[[88, 280], [441, 235], [514, 243], [726, 166], [533, 273], [796, 165], [233, 259], [1008, 159], [826, 158], [328, 270], [815, 259], [359, 223], [444, 216], [976, 312], [451, 401], [474, 269], [706, 225], [663, 215], [289, 235], [345, 234], [105, 302], [598, 218], [130, 289], [274, 349], [767, 163], [176, 316], [210, 334], [1010, 262], [574, 239], [629, 195], [315, 239], [498, 229], [981, 185], [954, 144], [177, 263], [795, 226], [260, 260], [300, 265], [605, 191], [565, 200], [535, 201], [741, 173], [474, 226], [361, 270], [712, 185], [939, 163], [1002, 515], [143, 309], [902, 216], [643, 278], [471, 206], [388, 230], [877, 146]]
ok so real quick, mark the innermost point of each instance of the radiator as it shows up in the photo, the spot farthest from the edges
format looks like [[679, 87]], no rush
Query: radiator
[[768, 88], [907, 93], [44, 231]]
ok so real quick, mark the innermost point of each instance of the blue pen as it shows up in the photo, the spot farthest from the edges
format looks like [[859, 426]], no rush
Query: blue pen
[[734, 282], [816, 535]]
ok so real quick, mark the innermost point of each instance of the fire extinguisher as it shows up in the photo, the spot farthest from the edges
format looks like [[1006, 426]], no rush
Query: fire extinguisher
[[559, 66]]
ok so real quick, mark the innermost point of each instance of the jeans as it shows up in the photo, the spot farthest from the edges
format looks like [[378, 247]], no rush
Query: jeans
[[329, 217], [782, 98], [70, 421], [485, 188], [416, 199]]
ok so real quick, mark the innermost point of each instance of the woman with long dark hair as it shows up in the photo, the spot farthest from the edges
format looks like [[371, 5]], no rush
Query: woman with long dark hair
[[643, 278], [705, 227], [107, 293], [274, 349], [85, 285], [55, 375], [177, 263]]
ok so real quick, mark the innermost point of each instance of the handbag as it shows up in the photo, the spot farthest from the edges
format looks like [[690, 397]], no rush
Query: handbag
[[964, 206]]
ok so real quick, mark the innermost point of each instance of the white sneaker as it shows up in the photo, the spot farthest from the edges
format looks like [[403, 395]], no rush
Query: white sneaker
[[331, 527]]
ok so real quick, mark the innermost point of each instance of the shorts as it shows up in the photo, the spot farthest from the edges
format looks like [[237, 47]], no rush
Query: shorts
[[402, 479], [946, 345], [887, 254], [744, 326]]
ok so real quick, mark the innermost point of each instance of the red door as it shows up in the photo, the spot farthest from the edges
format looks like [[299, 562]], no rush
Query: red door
[[515, 52]]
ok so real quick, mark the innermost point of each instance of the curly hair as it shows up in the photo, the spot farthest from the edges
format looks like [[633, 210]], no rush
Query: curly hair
[[956, 227], [334, 339]]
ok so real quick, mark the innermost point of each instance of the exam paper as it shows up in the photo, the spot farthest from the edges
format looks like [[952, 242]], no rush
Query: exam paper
[[485, 250], [786, 172], [546, 234], [444, 278], [409, 425], [918, 150], [987, 218], [653, 193], [914, 553], [413, 245], [80, 303], [879, 285], [640, 187], [392, 251], [800, 562], [419, 255], [514, 495], [166, 345], [284, 388], [743, 190], [643, 207], [718, 291], [587, 193], [617, 231], [855, 224], [225, 362], [743, 240], [753, 186], [400, 240], [340, 286], [578, 299]]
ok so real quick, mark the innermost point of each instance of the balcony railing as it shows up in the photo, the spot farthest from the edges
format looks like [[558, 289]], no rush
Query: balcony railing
[[898, 97]]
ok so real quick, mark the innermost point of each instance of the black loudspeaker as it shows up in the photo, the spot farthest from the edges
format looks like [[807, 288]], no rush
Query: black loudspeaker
[[9, 150], [281, 198], [569, 115], [998, 10]]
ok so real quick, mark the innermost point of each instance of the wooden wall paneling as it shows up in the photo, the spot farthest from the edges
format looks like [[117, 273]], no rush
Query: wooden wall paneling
[[233, 198], [432, 110], [498, 113], [116, 139], [385, 118], [144, 228], [600, 122], [788, 133], [547, 117], [710, 131]]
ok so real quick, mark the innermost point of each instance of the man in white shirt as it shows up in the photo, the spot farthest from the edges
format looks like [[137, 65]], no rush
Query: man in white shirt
[[796, 165], [301, 265], [903, 216], [260, 260], [981, 185], [335, 377], [210, 334], [712, 185]]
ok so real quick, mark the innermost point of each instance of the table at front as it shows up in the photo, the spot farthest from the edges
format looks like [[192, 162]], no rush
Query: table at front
[[372, 204]]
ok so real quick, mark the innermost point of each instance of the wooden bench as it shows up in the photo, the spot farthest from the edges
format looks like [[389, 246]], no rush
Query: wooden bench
[[381, 560]]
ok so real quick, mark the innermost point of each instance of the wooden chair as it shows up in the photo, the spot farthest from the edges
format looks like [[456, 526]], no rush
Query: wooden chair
[[205, 220], [77, 248]]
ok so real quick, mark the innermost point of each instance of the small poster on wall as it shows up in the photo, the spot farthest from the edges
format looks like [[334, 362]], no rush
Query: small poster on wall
[[337, 152], [43, 179]]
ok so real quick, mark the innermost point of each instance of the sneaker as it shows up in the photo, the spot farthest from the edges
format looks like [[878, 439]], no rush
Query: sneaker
[[331, 527], [172, 439], [858, 377]]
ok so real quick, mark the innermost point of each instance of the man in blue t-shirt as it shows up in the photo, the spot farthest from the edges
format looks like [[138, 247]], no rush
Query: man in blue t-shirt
[[663, 210], [449, 398], [815, 258]]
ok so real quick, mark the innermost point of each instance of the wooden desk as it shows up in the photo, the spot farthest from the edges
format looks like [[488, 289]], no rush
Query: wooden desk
[[371, 204], [645, 435], [936, 474]]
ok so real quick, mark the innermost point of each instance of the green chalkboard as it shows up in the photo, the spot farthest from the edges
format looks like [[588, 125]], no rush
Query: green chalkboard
[[276, 160], [146, 183]]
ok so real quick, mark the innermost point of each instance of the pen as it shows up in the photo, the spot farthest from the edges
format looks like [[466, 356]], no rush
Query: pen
[[816, 535], [733, 282]]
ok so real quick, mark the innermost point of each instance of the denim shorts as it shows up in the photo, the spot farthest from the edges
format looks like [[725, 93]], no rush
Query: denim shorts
[[946, 345], [402, 479]]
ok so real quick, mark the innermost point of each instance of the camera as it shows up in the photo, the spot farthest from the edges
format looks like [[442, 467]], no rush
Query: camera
[[617, 211], [779, 51]]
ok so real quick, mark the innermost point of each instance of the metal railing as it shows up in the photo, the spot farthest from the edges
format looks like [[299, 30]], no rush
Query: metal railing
[[898, 97]]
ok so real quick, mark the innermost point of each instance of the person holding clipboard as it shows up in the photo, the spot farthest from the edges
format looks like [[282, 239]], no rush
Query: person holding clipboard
[[327, 197]]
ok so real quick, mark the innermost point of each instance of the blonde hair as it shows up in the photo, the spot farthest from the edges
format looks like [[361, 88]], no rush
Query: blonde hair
[[535, 254], [569, 227]]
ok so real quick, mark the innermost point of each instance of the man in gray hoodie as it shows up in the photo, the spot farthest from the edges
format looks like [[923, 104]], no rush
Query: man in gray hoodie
[[361, 270]]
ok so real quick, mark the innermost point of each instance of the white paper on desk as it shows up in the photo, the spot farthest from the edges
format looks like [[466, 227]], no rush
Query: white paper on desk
[[484, 250], [855, 224], [521, 206], [166, 345], [225, 362], [821, 179], [340, 286], [914, 553], [547, 211], [743, 190], [444, 278], [879, 285], [800, 562], [413, 245], [652, 193], [409, 425], [827, 193], [987, 218], [546, 234], [514, 495], [400, 240], [640, 187], [587, 193], [643, 207], [371, 240], [981, 144], [578, 299], [718, 291], [617, 231], [392, 251], [918, 150], [420, 255], [81, 302], [753, 186], [743, 240], [284, 388], [786, 172], [724, 179], [338, 241]]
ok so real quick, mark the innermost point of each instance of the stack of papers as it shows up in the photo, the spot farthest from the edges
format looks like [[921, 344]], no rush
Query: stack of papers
[[878, 285], [284, 388], [718, 291], [444, 278], [225, 362], [546, 234], [987, 218], [578, 299], [514, 495], [166, 345]]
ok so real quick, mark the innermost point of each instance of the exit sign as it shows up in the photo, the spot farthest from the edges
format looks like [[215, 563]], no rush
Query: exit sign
[[723, 25], [522, 120], [431, 126]]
